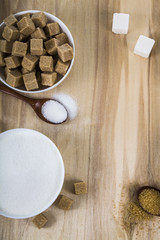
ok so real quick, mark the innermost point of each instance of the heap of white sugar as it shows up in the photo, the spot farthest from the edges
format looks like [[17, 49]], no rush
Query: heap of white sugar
[[31, 173], [54, 112], [69, 103]]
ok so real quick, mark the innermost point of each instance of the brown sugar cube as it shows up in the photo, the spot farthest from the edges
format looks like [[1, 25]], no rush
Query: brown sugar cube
[[44, 52], [51, 46], [80, 188], [10, 33], [5, 46], [46, 63], [39, 19], [2, 62], [26, 26], [61, 67], [39, 220], [62, 37], [14, 78], [39, 34], [10, 20], [23, 70], [30, 81], [27, 15], [7, 70], [13, 61], [65, 203], [52, 29], [29, 62], [65, 52], [36, 46], [48, 79], [22, 37], [19, 49]]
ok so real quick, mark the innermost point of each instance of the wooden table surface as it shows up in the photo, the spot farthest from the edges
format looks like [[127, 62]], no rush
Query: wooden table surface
[[114, 143]]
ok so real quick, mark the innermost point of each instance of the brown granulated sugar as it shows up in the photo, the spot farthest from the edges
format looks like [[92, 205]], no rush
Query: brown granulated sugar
[[131, 218]]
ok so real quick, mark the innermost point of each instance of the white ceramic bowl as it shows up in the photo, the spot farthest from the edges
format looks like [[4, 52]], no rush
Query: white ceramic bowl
[[30, 180], [51, 18]]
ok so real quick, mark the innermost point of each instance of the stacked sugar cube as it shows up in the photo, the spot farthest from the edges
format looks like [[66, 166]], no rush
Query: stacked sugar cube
[[144, 44], [33, 51]]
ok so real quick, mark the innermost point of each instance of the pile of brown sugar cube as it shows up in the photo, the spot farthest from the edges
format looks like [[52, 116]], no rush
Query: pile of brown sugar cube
[[34, 53]]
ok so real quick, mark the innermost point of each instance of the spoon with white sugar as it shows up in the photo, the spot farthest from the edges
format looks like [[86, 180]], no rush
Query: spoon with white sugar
[[49, 110]]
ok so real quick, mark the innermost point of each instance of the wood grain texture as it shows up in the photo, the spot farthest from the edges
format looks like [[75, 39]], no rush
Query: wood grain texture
[[113, 144]]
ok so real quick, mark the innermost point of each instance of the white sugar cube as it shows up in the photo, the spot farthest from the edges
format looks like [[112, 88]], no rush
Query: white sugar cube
[[120, 23], [144, 46]]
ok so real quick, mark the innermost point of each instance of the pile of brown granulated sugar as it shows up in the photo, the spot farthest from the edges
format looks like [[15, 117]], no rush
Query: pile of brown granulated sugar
[[133, 220]]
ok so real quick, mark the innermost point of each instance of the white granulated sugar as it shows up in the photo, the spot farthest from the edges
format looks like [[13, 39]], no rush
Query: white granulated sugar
[[144, 46], [120, 23], [30, 173], [54, 112], [69, 103]]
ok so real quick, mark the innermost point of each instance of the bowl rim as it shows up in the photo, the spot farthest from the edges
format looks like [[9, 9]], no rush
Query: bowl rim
[[72, 61], [10, 131]]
